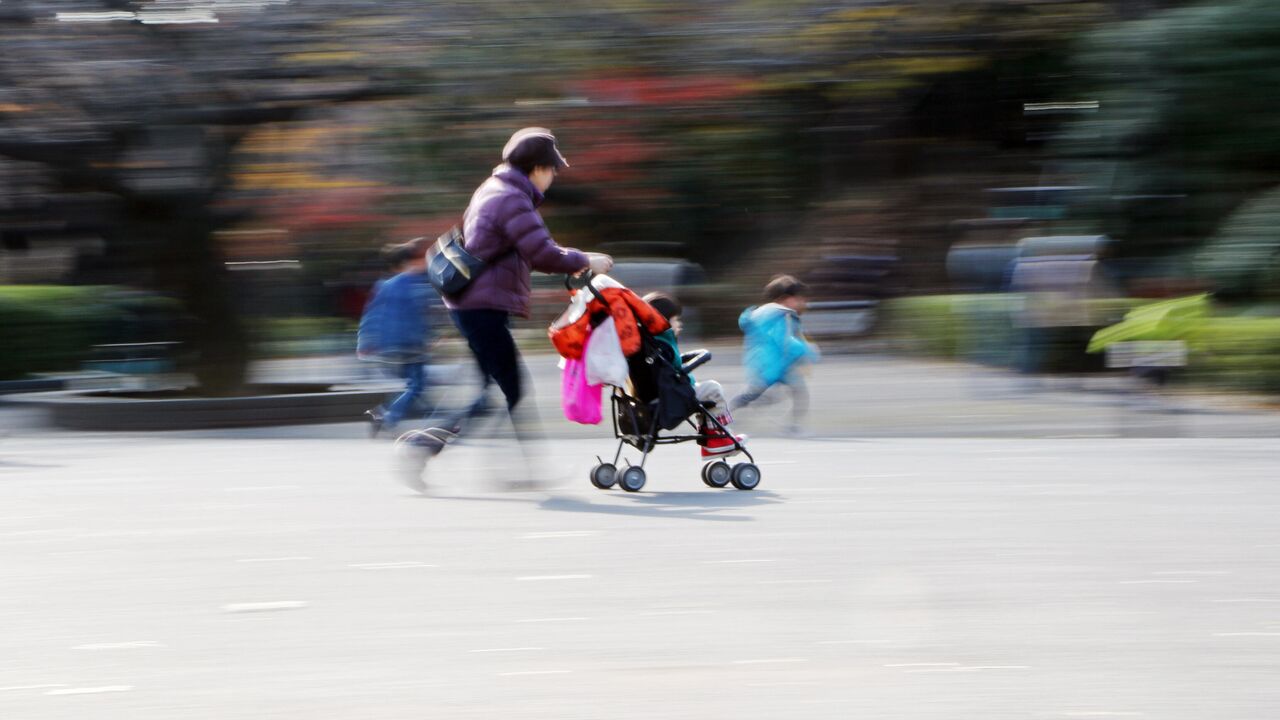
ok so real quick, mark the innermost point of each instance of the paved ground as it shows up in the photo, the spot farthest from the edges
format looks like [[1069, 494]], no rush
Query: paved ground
[[854, 396], [171, 577], [862, 396]]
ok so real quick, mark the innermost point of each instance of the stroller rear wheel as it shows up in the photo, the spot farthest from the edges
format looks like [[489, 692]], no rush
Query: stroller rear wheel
[[716, 474], [745, 476], [604, 476], [632, 479]]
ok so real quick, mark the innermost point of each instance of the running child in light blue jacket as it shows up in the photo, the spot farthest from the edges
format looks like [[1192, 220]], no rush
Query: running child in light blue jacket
[[775, 348]]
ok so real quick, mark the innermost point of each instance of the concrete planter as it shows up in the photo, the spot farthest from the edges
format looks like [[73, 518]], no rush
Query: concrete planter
[[277, 404]]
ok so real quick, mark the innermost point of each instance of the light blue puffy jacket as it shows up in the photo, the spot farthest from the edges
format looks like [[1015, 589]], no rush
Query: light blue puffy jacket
[[774, 343]]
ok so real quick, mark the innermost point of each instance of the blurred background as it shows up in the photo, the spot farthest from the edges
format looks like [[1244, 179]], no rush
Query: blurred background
[[1038, 479], [191, 186]]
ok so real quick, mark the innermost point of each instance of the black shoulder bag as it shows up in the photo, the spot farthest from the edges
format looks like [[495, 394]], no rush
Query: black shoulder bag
[[450, 267]]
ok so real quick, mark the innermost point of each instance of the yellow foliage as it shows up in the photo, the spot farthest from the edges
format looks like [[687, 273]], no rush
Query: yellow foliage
[[323, 57], [293, 140], [279, 181], [869, 13], [926, 65]]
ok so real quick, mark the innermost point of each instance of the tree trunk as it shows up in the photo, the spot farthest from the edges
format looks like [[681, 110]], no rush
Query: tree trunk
[[221, 341], [193, 270]]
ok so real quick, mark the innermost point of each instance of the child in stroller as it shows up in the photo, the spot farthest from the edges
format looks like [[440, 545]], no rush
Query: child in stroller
[[716, 443], [663, 397]]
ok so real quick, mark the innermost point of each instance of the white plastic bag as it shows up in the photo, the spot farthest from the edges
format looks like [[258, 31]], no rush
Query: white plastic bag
[[606, 365]]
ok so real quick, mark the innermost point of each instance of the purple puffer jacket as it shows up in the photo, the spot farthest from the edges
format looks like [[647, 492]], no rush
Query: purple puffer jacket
[[502, 227]]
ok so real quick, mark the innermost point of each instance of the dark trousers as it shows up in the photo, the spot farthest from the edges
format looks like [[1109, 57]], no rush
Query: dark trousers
[[488, 334]]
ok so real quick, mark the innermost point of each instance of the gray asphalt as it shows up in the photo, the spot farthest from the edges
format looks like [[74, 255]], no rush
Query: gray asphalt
[[853, 396], [174, 577], [864, 396]]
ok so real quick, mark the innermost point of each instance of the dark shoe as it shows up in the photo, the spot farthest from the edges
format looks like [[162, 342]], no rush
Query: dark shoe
[[375, 422], [443, 436], [430, 441], [413, 451]]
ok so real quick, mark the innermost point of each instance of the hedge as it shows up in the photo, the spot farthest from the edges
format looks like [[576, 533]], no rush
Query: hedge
[[979, 327], [1241, 353], [297, 336], [46, 328]]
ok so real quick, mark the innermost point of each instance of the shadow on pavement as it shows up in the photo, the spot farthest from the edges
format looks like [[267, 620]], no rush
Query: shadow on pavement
[[682, 505], [6, 464], [687, 505]]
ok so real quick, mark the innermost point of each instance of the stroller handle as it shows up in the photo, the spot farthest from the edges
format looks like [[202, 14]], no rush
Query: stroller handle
[[694, 360], [581, 280]]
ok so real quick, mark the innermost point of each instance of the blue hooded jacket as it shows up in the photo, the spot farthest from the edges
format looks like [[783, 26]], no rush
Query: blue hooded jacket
[[395, 325], [774, 343]]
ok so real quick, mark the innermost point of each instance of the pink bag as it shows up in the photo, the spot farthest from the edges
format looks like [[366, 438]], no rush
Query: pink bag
[[580, 400]]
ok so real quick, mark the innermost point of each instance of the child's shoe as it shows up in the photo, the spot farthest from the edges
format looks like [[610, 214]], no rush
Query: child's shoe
[[722, 446], [717, 443]]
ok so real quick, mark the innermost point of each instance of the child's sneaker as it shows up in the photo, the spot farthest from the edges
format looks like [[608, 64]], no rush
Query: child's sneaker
[[722, 446], [375, 419]]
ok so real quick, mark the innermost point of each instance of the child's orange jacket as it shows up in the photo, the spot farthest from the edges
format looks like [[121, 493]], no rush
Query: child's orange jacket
[[628, 311]]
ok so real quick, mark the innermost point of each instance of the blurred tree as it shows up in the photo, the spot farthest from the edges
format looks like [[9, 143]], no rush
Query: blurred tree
[[720, 125], [1243, 258], [141, 107], [1186, 127]]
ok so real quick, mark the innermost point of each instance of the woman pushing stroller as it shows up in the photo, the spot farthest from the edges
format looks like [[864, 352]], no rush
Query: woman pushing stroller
[[502, 228]]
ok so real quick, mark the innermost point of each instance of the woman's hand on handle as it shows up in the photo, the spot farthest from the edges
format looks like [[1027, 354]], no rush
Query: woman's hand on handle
[[599, 263]]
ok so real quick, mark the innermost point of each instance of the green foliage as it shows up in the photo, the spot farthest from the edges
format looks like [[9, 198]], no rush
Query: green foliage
[[1244, 256], [952, 326], [1241, 353], [979, 327], [1165, 320], [1238, 351], [46, 328], [295, 336], [1189, 99]]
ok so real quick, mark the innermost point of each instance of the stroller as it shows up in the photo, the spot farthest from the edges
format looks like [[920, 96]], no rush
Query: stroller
[[662, 398]]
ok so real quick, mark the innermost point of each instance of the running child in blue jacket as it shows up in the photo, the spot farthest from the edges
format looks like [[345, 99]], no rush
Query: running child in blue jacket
[[775, 349]]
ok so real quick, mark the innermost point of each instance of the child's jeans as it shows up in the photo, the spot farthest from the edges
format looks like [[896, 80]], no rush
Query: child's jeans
[[415, 383], [799, 397]]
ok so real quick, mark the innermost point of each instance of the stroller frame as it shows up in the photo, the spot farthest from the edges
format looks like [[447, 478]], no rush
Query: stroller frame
[[652, 437], [635, 423]]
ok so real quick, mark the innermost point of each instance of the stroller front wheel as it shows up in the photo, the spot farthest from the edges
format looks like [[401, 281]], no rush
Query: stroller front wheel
[[745, 476], [716, 474], [632, 479], [604, 476]]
